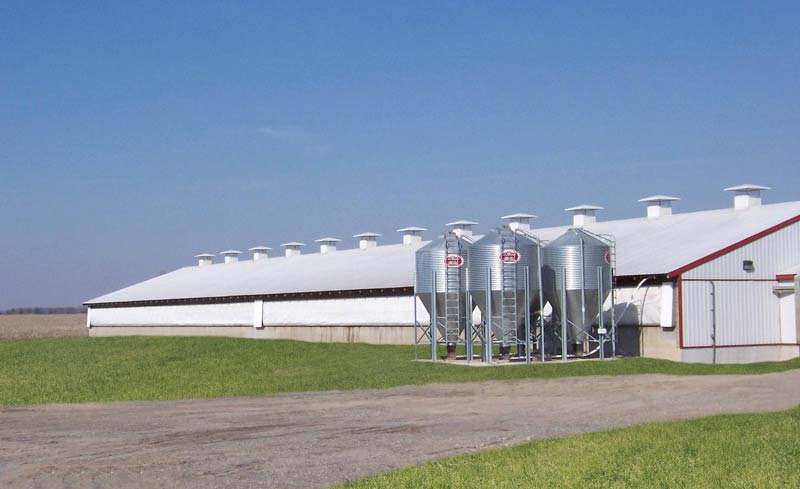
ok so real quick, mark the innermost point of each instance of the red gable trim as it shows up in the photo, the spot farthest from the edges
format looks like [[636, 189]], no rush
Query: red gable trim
[[735, 246], [785, 276]]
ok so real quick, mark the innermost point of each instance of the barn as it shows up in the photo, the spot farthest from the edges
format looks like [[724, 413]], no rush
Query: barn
[[710, 286]]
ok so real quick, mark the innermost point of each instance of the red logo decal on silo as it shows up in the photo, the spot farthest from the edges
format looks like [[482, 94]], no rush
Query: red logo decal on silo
[[454, 261], [607, 257], [509, 256]]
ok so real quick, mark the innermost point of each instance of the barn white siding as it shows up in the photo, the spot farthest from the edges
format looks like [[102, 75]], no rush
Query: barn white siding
[[748, 310], [233, 314], [368, 311], [747, 313], [771, 255]]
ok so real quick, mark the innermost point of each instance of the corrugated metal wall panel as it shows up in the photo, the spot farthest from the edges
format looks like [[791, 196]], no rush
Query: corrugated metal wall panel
[[747, 313], [771, 255], [234, 314]]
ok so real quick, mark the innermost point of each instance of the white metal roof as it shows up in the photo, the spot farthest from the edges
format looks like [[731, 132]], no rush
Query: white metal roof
[[664, 244], [380, 267], [644, 247]]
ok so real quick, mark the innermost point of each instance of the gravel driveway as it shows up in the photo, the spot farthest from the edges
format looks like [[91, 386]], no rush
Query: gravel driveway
[[319, 439]]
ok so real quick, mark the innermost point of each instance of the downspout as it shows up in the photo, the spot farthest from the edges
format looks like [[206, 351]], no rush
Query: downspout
[[713, 322]]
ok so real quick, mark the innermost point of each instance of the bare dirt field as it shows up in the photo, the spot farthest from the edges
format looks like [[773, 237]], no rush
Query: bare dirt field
[[320, 439], [23, 326]]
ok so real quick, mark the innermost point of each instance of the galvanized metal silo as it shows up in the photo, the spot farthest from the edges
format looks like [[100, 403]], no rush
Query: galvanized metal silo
[[577, 278], [444, 298], [500, 263]]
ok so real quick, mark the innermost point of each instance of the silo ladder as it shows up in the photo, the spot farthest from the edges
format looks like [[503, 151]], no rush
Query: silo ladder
[[509, 298], [452, 296]]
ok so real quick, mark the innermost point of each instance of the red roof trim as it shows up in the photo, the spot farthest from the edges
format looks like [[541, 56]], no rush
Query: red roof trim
[[785, 276], [735, 246], [729, 280]]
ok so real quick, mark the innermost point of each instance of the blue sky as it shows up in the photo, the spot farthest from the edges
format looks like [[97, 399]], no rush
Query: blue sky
[[135, 136]]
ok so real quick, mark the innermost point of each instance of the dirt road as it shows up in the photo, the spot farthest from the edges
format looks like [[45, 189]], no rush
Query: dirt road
[[319, 439]]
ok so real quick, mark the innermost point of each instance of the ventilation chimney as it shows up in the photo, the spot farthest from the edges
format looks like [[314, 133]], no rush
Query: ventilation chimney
[[747, 195], [519, 221], [204, 259], [659, 205], [411, 234], [231, 256], [462, 228], [367, 240], [327, 245], [292, 248], [260, 252], [583, 214]]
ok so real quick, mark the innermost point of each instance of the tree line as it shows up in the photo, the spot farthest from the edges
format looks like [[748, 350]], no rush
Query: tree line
[[44, 310]]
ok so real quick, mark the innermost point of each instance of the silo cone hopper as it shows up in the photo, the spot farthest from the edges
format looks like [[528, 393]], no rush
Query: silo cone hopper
[[570, 272], [446, 256], [505, 254]]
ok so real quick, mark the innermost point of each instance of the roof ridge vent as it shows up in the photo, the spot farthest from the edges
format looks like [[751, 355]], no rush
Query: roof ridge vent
[[292, 248], [519, 220], [367, 240], [260, 252], [747, 195], [204, 259], [583, 214], [411, 234], [659, 205], [462, 228], [327, 245], [231, 256]]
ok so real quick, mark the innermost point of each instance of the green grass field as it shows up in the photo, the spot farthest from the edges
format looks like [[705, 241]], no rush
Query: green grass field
[[729, 451], [68, 370]]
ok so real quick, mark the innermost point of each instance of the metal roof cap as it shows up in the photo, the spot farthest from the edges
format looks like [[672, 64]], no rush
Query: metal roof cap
[[659, 198], [747, 187], [586, 207], [519, 215]]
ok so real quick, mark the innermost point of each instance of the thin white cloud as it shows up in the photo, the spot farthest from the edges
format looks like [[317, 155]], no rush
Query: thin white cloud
[[283, 133], [288, 135]]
